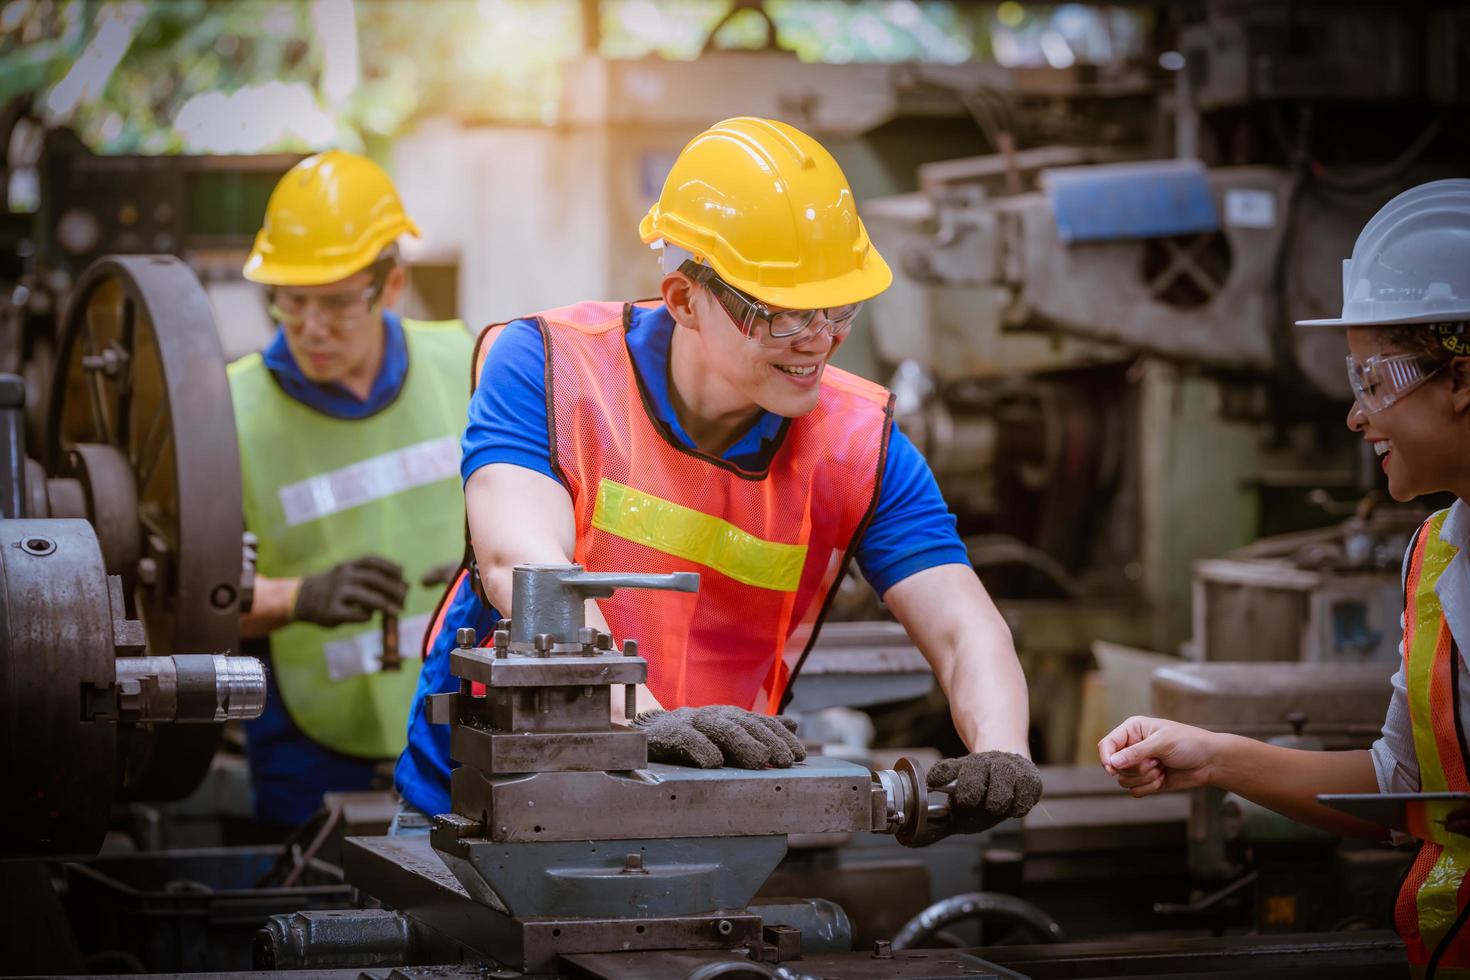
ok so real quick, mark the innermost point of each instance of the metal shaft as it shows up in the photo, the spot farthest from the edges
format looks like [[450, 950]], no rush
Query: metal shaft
[[13, 445], [190, 688]]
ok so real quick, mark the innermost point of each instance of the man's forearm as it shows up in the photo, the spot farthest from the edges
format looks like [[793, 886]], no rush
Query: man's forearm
[[271, 608], [954, 624], [987, 694], [1288, 780]]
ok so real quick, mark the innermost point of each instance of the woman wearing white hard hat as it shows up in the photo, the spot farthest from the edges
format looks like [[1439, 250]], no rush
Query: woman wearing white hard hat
[[1406, 310]]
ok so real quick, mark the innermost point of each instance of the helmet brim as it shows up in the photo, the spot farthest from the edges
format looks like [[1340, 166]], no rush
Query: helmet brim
[[268, 271], [856, 286], [1342, 323]]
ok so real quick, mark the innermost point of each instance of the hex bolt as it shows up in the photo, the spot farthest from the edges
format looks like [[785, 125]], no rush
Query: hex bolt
[[542, 643], [587, 636], [504, 624], [603, 641], [501, 639], [109, 362], [630, 648], [465, 637], [633, 865], [882, 949]]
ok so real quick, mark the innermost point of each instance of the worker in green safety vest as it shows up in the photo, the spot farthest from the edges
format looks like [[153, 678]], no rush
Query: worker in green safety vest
[[348, 424]]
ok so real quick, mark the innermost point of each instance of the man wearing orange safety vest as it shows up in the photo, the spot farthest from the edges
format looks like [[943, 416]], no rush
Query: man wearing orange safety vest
[[706, 431], [1406, 308]]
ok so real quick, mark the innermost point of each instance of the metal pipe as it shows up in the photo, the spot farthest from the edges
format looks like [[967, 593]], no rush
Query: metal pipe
[[333, 939], [13, 445], [190, 688], [983, 905]]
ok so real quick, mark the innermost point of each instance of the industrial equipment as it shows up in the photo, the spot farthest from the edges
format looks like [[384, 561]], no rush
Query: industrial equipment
[[567, 846], [122, 571]]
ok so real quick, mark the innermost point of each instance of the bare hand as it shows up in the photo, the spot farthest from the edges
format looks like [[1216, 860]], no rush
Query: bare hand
[[1151, 755]]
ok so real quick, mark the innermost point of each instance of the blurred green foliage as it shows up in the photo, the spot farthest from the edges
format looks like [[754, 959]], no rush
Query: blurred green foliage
[[478, 61]]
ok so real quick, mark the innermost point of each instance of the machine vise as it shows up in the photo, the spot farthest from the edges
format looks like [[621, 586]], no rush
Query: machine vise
[[565, 840]]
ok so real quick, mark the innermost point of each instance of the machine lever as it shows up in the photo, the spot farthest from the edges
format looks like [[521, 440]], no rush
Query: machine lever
[[601, 585], [550, 600]]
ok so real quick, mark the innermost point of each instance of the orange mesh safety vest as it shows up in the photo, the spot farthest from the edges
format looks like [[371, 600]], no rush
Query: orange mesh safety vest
[[770, 547], [1433, 901]]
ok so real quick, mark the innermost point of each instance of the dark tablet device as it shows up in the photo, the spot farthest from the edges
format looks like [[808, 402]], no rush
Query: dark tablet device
[[1407, 813]]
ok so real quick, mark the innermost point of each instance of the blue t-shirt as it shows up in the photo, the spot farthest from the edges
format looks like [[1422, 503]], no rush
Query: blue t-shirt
[[911, 530], [288, 771]]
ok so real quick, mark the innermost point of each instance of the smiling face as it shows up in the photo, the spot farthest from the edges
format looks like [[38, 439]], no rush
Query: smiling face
[[785, 381], [1422, 438]]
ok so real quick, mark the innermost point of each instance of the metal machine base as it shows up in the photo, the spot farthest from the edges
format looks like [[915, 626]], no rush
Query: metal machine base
[[408, 876]]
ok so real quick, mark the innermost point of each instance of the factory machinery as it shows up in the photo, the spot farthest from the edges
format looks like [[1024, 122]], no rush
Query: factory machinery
[[566, 852], [1088, 343]]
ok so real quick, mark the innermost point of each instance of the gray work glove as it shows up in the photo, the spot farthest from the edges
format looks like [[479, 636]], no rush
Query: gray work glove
[[988, 788], [440, 574], [351, 592], [720, 735]]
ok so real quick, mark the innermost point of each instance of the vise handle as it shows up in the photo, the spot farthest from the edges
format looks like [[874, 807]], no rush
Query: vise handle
[[601, 585], [549, 599]]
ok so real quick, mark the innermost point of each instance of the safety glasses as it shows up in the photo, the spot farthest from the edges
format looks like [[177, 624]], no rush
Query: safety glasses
[[290, 308], [1383, 379], [772, 328]]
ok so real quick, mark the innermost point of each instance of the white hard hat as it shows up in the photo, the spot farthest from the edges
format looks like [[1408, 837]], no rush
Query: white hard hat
[[1411, 263]]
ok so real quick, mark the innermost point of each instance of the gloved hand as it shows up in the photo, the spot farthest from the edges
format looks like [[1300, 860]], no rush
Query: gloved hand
[[350, 592], [720, 735], [440, 574], [1458, 821], [988, 788]]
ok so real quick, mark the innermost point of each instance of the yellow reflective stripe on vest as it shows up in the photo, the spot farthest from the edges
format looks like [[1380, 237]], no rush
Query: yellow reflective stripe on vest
[[701, 538], [371, 479], [1427, 616], [1438, 898]]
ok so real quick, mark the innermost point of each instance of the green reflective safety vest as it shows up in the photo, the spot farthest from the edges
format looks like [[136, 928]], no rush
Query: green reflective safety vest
[[320, 490]]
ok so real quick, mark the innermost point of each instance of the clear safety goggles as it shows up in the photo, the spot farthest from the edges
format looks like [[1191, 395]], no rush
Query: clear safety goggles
[[1383, 379], [772, 328], [290, 308]]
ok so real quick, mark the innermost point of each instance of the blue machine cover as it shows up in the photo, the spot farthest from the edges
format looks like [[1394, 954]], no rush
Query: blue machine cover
[[1117, 201]]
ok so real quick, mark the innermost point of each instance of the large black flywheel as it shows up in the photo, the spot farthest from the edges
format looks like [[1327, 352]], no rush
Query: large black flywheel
[[140, 441]]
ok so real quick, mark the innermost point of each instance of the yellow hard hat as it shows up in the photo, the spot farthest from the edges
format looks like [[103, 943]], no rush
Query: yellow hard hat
[[330, 216], [769, 209]]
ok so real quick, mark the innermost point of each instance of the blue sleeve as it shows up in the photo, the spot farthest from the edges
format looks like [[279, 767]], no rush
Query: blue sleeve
[[507, 416], [912, 529]]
